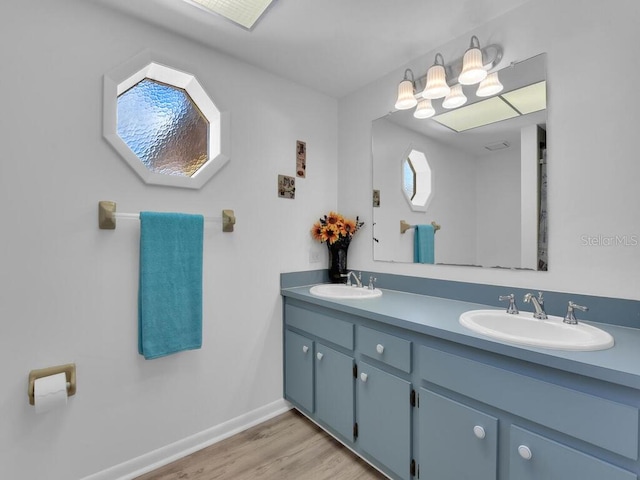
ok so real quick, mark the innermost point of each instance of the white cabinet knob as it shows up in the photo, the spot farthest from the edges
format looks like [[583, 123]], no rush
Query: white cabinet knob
[[380, 348], [525, 452], [319, 355], [364, 376], [479, 432], [305, 349]]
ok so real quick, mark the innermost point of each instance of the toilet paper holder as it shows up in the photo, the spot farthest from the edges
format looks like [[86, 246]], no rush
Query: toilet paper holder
[[69, 370]]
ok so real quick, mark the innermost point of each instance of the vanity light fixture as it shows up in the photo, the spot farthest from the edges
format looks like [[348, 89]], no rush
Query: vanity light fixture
[[436, 86], [406, 92], [424, 109], [489, 86], [473, 70], [456, 98]]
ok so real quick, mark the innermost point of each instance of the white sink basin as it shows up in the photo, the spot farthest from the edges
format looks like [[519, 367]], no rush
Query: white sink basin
[[523, 329], [341, 291]]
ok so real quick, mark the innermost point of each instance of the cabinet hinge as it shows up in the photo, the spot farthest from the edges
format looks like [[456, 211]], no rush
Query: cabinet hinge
[[412, 468], [355, 430], [355, 371], [413, 399]]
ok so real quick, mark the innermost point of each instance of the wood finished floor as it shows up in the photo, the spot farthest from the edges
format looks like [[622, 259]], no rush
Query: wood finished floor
[[288, 446]]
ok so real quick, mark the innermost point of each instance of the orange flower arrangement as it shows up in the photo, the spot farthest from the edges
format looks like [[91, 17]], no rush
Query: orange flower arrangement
[[335, 229]]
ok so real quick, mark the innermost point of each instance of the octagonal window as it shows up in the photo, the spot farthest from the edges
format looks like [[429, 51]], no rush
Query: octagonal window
[[416, 180], [164, 125]]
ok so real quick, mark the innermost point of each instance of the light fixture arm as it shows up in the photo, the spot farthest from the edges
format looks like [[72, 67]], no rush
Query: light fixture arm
[[408, 72]]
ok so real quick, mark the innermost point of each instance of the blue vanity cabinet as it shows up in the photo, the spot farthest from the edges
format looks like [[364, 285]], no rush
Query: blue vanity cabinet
[[384, 418], [319, 367], [456, 441], [422, 405], [298, 370], [335, 389], [533, 457]]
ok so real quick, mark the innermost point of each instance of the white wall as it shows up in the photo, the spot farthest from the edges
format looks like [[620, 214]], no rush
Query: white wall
[[69, 290], [498, 208], [591, 140]]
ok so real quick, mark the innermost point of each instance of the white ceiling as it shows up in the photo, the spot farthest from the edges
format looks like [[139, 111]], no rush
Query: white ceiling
[[333, 46]]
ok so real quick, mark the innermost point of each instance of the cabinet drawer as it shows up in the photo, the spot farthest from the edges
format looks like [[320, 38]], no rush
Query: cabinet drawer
[[552, 460], [385, 348], [320, 325], [601, 422]]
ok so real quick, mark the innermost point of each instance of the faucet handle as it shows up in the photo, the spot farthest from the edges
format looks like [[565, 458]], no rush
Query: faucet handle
[[348, 275], [372, 282], [540, 298], [512, 308], [570, 317]]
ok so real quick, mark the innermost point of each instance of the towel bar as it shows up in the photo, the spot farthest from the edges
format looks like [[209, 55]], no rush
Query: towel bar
[[107, 217], [404, 226]]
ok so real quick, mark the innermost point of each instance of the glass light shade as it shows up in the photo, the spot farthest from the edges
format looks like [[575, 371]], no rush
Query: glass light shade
[[489, 86], [424, 109], [472, 69], [436, 83], [406, 98], [456, 98]]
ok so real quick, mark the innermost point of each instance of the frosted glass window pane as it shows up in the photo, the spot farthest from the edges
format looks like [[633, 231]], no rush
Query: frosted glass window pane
[[408, 179], [163, 127]]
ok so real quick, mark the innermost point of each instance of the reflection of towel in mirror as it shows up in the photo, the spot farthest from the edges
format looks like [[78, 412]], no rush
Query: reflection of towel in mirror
[[423, 244], [170, 290]]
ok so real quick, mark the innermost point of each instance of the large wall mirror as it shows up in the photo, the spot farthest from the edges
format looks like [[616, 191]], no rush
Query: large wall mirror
[[488, 177]]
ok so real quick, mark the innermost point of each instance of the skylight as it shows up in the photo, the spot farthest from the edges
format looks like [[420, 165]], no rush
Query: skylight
[[243, 12]]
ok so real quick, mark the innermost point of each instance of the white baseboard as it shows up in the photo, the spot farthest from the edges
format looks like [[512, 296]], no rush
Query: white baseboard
[[170, 453]]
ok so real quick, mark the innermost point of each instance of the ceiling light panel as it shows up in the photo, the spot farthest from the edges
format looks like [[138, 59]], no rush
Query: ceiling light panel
[[528, 99], [476, 115], [243, 12]]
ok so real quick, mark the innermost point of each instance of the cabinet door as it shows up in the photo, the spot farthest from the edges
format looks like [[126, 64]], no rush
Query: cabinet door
[[456, 442], [384, 418], [534, 457], [334, 390], [298, 370]]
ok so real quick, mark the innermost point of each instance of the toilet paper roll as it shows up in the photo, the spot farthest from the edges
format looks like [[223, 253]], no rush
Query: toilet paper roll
[[50, 392]]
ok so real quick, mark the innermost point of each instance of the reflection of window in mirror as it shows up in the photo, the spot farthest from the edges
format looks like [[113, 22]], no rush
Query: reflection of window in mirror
[[416, 180]]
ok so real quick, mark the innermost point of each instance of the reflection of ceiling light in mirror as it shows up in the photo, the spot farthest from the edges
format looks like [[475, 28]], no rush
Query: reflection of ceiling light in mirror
[[406, 92], [489, 86], [243, 12], [436, 86], [456, 98], [477, 114], [424, 109], [472, 68], [528, 99]]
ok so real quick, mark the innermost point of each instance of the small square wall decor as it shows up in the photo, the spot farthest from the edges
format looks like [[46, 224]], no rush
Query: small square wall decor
[[286, 186], [301, 159]]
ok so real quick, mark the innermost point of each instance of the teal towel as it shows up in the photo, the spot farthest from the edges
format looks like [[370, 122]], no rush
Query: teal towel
[[423, 244], [170, 290]]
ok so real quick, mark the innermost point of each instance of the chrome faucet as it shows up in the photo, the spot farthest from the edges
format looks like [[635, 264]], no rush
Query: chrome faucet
[[372, 282], [570, 317], [538, 305], [512, 308], [358, 278]]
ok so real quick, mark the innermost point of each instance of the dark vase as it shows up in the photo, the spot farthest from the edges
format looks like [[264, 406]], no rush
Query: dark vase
[[337, 262]]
